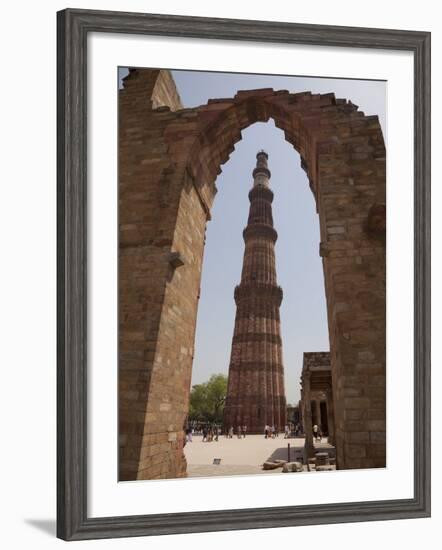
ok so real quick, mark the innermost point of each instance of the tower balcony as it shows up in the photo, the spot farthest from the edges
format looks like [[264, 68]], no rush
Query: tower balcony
[[252, 291], [260, 230], [261, 170]]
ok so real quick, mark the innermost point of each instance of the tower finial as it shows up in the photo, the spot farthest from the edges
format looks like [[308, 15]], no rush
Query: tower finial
[[261, 174]]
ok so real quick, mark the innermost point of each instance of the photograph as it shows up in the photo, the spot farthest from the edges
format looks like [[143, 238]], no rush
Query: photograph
[[220, 236], [251, 274]]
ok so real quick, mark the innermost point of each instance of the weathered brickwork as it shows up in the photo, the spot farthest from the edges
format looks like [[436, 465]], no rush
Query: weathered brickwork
[[150, 417], [255, 394], [169, 159], [165, 93]]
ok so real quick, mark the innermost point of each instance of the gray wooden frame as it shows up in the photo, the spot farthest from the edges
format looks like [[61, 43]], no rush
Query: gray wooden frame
[[73, 28]]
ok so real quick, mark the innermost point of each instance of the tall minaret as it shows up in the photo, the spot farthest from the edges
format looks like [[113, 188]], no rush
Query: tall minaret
[[255, 393]]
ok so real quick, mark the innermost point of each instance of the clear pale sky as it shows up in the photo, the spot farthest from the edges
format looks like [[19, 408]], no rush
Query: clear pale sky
[[298, 264]]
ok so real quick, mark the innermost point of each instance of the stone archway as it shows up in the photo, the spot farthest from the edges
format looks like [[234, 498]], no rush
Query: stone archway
[[169, 159]]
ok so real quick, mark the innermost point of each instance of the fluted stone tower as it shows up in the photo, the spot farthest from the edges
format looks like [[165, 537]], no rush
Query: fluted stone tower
[[255, 393]]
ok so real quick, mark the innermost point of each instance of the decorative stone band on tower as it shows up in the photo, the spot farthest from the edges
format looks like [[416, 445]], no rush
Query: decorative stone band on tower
[[255, 394]]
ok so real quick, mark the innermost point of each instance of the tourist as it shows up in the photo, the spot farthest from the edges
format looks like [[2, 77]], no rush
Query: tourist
[[231, 432], [244, 430], [286, 431], [204, 433], [316, 432], [238, 432], [189, 435], [266, 431]]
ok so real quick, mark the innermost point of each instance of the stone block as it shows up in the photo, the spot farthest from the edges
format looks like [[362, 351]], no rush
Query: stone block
[[355, 451], [272, 465], [322, 459], [358, 437], [335, 230], [376, 425], [377, 437], [292, 467]]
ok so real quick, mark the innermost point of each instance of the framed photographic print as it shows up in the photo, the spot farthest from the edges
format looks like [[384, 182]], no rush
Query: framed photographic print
[[243, 274]]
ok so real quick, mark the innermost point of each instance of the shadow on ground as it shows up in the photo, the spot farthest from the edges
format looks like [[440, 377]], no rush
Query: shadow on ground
[[297, 453], [48, 526], [282, 453]]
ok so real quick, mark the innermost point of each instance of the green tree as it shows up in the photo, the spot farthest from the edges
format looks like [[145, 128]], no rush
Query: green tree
[[207, 400]]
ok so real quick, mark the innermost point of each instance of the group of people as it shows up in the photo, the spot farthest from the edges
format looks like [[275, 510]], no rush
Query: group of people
[[270, 431], [209, 433], [241, 432], [212, 432], [292, 430]]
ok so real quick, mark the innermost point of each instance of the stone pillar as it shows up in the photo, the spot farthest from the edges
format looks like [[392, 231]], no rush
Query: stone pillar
[[301, 414], [317, 405], [330, 417], [308, 427]]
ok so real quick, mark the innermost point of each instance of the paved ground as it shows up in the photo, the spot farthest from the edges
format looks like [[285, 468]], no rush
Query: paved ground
[[241, 456]]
